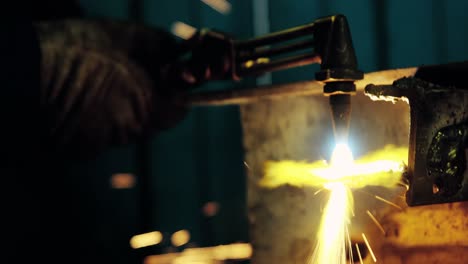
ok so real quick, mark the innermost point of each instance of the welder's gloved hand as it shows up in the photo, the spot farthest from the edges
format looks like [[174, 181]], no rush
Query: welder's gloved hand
[[104, 83], [210, 57]]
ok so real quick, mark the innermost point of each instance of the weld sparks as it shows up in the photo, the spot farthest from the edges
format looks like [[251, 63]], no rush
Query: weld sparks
[[333, 235], [339, 177]]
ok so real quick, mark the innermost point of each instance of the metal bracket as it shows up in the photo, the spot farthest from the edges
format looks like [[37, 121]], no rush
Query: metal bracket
[[438, 99]]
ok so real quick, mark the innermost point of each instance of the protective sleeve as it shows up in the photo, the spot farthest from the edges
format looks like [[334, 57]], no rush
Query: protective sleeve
[[105, 83]]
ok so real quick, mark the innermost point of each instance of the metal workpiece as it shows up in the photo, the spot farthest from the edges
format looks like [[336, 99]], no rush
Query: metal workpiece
[[283, 221], [438, 139], [250, 95]]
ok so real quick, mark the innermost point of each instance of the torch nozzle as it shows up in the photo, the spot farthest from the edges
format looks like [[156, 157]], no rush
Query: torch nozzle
[[340, 105]]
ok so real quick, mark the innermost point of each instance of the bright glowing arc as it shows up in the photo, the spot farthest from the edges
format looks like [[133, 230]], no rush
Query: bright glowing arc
[[341, 162], [341, 156]]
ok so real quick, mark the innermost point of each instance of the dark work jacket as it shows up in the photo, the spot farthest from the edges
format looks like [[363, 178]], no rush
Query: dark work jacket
[[40, 222]]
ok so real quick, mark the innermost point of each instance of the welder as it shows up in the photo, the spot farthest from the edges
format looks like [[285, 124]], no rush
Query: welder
[[73, 88], [67, 95]]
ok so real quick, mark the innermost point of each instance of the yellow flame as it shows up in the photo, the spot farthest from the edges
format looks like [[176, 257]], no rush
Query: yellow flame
[[380, 168]]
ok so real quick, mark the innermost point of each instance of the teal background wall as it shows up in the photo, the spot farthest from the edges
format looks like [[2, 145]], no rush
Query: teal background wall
[[201, 159]]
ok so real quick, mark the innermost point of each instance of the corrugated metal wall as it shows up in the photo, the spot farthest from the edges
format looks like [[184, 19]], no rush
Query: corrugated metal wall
[[201, 159]]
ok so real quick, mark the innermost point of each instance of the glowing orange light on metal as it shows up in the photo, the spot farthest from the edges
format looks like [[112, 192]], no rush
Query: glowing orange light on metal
[[369, 247]]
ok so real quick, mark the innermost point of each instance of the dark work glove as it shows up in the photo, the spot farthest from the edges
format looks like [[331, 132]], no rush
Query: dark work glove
[[105, 83], [208, 55]]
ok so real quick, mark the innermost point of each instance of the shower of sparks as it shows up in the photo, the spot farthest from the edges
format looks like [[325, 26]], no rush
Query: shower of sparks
[[376, 222], [339, 177], [222, 6], [331, 246], [359, 253], [333, 235], [369, 247], [350, 245]]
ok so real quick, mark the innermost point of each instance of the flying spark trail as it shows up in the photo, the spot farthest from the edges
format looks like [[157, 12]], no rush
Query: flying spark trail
[[388, 202], [333, 227], [359, 253], [405, 185], [350, 245], [376, 222], [369, 247], [333, 234]]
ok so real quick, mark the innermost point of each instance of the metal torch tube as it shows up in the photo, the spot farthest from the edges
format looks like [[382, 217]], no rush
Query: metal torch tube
[[340, 106]]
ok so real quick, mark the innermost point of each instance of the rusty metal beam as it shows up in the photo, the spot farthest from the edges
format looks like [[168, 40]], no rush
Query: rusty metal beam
[[278, 91]]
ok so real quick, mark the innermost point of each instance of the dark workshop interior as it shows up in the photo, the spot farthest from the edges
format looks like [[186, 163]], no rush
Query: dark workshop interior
[[187, 186]]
